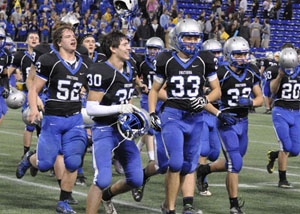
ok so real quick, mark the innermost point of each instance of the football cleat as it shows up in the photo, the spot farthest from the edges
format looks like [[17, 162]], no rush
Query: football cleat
[[72, 200], [203, 190], [118, 167], [64, 208], [271, 163], [109, 207], [202, 172], [236, 210], [138, 193], [189, 209], [284, 184], [81, 180], [33, 171], [164, 209], [24, 164]]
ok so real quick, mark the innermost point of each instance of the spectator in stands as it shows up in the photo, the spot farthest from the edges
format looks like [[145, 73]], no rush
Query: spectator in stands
[[77, 12], [179, 17], [22, 29], [231, 8], [208, 27], [11, 28], [224, 35], [63, 12], [164, 18], [45, 30], [152, 6], [288, 10], [266, 30], [267, 5], [255, 28], [45, 7], [255, 6], [244, 30], [33, 26], [277, 8], [143, 33], [234, 28], [16, 16], [108, 15], [174, 11], [3, 22], [243, 8], [156, 30], [201, 22]]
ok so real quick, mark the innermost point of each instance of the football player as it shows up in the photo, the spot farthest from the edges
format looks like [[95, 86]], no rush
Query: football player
[[4, 80], [65, 72], [111, 86], [210, 140], [265, 64], [89, 42], [238, 81], [184, 73], [22, 61], [285, 115]]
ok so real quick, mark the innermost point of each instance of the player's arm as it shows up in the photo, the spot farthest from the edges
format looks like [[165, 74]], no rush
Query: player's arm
[[258, 97], [162, 94], [141, 85], [38, 84], [275, 83], [10, 70], [215, 88], [154, 92], [30, 76]]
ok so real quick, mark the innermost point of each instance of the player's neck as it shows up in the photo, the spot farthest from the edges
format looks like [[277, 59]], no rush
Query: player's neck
[[118, 64], [30, 50], [66, 55], [183, 55], [234, 69]]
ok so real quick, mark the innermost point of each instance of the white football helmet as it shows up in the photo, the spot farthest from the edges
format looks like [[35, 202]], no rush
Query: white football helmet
[[10, 45], [154, 42], [125, 7], [171, 35], [2, 38], [16, 98], [269, 55], [133, 125], [86, 118], [71, 19], [213, 46], [288, 60], [187, 27], [236, 45], [25, 115]]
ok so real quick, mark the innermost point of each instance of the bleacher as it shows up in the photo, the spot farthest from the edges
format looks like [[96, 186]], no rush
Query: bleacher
[[282, 31]]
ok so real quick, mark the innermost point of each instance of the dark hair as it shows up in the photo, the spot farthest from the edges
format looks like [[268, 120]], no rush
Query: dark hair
[[31, 33], [82, 38], [57, 33], [287, 45], [113, 40]]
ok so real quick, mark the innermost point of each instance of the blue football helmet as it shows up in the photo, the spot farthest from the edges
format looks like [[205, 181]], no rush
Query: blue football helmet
[[288, 60], [187, 27], [154, 42], [237, 45], [133, 125]]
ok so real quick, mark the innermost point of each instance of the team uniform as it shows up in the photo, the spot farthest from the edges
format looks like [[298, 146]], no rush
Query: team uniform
[[286, 112], [118, 88], [234, 139], [4, 63], [180, 125], [266, 76], [62, 124]]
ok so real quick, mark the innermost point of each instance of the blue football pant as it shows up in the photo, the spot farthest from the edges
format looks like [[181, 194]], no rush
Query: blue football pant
[[287, 127], [210, 141], [234, 141], [106, 141], [61, 135], [181, 136]]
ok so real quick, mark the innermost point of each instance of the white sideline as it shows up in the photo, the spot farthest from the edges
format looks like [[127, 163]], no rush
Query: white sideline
[[49, 187]]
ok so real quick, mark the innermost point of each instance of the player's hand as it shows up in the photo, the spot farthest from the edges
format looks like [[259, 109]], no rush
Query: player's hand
[[144, 88], [127, 108], [155, 122], [245, 102], [40, 104], [227, 119], [5, 93], [34, 116], [198, 103]]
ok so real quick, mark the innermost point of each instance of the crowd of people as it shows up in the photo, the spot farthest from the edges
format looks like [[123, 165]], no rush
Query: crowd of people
[[194, 94]]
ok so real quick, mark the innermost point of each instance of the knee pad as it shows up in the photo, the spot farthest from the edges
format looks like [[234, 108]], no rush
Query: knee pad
[[236, 162], [175, 165], [213, 155], [45, 165], [103, 181], [187, 168], [161, 168], [73, 162], [135, 179], [294, 151]]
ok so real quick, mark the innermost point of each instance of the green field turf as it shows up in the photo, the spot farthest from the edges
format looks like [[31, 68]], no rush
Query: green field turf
[[259, 189]]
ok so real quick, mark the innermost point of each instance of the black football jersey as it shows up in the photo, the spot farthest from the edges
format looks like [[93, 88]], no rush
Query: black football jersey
[[184, 79], [288, 95], [99, 57], [118, 87], [64, 82], [267, 63], [234, 85], [146, 72], [4, 63], [23, 60], [41, 49]]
